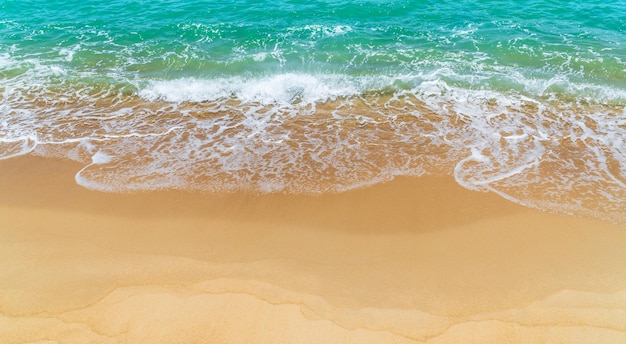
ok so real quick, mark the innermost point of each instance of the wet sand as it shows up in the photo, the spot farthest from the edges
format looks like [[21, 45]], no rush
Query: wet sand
[[412, 260]]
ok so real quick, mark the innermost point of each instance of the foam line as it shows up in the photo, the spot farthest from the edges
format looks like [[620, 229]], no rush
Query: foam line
[[23, 145]]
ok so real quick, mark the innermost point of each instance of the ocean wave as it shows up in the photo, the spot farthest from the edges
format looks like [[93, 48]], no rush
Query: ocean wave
[[534, 137], [304, 88]]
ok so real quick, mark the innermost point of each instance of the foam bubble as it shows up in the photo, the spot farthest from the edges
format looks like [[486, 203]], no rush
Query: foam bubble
[[101, 158]]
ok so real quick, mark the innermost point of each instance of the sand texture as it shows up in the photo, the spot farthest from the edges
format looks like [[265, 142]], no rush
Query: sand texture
[[410, 261]]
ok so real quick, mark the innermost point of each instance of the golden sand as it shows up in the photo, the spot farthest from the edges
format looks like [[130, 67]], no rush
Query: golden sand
[[412, 260]]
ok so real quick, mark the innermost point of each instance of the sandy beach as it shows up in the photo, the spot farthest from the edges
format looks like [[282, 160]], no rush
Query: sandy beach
[[409, 261], [312, 172]]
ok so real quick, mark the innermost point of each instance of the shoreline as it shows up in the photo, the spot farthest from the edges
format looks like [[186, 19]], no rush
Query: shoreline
[[412, 260]]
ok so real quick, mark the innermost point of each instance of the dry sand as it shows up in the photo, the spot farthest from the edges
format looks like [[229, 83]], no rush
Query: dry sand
[[413, 260]]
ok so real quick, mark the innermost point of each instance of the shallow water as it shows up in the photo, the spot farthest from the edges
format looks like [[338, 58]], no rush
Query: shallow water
[[523, 99]]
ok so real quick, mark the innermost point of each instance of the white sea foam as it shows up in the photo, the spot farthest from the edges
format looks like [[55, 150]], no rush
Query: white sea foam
[[101, 158], [283, 88], [318, 31], [68, 53], [292, 88]]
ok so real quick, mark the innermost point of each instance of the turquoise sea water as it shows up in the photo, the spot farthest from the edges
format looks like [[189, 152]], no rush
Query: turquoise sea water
[[523, 98]]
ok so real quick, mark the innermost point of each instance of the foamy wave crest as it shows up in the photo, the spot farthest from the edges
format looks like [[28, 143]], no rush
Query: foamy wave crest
[[282, 88]]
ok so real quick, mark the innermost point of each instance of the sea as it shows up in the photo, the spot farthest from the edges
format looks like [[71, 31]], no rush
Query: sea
[[525, 99]]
